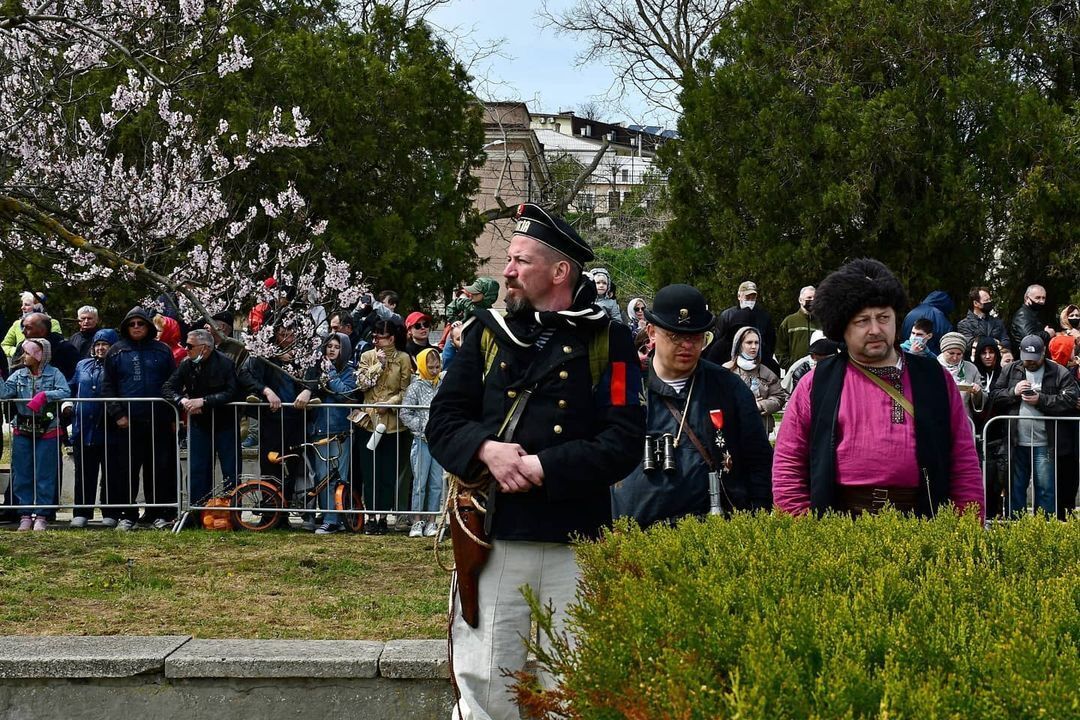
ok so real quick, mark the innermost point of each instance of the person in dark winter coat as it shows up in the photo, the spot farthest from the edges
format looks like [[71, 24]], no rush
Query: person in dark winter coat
[[1029, 319], [89, 324], [719, 410], [979, 323], [137, 367], [752, 315], [203, 385], [90, 445], [936, 308], [578, 434]]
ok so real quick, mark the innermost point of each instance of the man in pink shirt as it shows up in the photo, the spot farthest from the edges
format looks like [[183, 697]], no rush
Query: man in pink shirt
[[873, 425]]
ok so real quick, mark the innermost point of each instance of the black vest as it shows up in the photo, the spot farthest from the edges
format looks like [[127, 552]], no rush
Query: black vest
[[933, 431]]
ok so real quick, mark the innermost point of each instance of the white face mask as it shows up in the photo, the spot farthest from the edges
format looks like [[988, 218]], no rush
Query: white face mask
[[745, 364], [747, 304]]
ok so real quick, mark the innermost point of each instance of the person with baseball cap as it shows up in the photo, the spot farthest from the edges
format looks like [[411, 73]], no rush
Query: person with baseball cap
[[417, 331], [703, 431], [540, 414], [748, 312], [873, 426], [1033, 388]]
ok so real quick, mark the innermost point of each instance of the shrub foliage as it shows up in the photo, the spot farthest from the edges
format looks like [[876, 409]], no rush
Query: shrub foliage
[[770, 616]]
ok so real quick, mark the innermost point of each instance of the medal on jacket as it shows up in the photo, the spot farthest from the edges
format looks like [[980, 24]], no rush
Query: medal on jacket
[[717, 418]]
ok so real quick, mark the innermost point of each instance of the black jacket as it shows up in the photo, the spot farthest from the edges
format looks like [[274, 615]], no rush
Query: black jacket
[[730, 321], [1058, 396], [1025, 321], [973, 326], [658, 496], [213, 380], [586, 438]]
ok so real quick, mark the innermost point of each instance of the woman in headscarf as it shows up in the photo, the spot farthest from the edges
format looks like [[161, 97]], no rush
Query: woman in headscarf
[[35, 442], [427, 494], [635, 314], [763, 383], [336, 379], [383, 376]]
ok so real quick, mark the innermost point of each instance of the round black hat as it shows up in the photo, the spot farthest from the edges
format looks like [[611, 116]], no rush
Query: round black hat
[[856, 285], [681, 309], [536, 222]]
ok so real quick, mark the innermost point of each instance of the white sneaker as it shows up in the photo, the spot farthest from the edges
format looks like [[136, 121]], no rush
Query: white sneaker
[[108, 522], [417, 529], [431, 528], [78, 521], [125, 526], [161, 524]]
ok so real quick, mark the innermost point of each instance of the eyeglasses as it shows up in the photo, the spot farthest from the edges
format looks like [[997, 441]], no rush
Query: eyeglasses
[[137, 323], [191, 346], [639, 308], [681, 339], [382, 336], [420, 326]]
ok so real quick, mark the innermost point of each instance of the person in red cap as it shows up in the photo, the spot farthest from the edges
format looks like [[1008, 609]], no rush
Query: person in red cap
[[417, 330]]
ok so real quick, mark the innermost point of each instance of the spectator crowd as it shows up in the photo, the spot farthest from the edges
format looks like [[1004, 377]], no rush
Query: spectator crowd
[[126, 399]]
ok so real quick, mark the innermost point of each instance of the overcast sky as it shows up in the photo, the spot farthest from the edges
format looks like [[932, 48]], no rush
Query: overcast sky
[[535, 65]]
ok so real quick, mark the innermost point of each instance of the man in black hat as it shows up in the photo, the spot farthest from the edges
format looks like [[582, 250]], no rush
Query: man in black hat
[[873, 425], [703, 430], [564, 381]]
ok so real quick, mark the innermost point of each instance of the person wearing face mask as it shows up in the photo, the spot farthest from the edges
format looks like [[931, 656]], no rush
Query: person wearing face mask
[[90, 443], [979, 322], [918, 342], [763, 382], [793, 335], [748, 312], [935, 307], [1069, 320], [202, 386], [1028, 320]]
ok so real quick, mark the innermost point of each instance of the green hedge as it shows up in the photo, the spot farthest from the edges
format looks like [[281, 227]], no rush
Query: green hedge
[[775, 617]]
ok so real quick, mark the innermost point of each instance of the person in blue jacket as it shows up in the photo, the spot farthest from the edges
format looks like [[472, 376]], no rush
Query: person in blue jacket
[[336, 378], [137, 367], [935, 307], [35, 441], [90, 446]]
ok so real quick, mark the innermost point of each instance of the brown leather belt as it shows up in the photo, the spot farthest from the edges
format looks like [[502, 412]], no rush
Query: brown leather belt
[[859, 499]]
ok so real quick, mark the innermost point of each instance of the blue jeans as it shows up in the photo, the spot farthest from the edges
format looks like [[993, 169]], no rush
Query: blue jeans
[[222, 439], [427, 492], [33, 473], [1033, 464], [341, 450]]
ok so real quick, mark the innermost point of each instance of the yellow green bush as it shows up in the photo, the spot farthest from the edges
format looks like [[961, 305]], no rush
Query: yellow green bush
[[770, 616]]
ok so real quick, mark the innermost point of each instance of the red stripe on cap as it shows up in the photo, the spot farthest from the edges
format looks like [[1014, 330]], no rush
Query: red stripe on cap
[[618, 384]]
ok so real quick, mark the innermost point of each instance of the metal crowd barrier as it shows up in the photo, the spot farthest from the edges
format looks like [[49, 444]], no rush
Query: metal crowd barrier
[[117, 470], [1047, 477], [293, 457]]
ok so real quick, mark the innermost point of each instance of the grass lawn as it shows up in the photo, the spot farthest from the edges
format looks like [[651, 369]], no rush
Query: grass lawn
[[217, 585]]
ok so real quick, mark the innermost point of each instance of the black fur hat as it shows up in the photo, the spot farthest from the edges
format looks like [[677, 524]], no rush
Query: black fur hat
[[856, 285]]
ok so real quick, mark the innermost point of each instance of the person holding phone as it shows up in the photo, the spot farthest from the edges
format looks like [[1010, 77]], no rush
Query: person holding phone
[[1036, 387]]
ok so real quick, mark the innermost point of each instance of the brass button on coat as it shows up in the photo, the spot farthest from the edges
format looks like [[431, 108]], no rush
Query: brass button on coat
[[502, 366], [567, 349], [511, 394], [563, 374], [557, 429], [562, 404]]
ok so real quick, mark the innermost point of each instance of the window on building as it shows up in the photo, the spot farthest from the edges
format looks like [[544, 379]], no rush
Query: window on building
[[626, 176]]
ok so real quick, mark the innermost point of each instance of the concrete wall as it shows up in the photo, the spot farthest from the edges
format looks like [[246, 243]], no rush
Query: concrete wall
[[180, 677]]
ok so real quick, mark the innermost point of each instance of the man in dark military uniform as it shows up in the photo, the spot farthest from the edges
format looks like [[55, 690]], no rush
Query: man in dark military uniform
[[711, 450], [573, 377]]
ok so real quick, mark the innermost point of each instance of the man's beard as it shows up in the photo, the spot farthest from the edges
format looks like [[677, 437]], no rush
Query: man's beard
[[518, 305]]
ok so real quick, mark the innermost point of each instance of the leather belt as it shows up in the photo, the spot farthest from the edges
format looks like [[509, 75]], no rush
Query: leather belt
[[859, 499]]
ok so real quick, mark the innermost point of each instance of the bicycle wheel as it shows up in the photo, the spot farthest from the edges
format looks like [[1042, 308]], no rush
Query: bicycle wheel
[[259, 505], [345, 498]]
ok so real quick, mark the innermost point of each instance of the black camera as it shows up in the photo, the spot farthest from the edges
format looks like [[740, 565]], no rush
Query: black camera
[[659, 452]]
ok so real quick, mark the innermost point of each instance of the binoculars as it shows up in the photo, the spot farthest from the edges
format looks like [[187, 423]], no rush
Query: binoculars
[[659, 452]]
